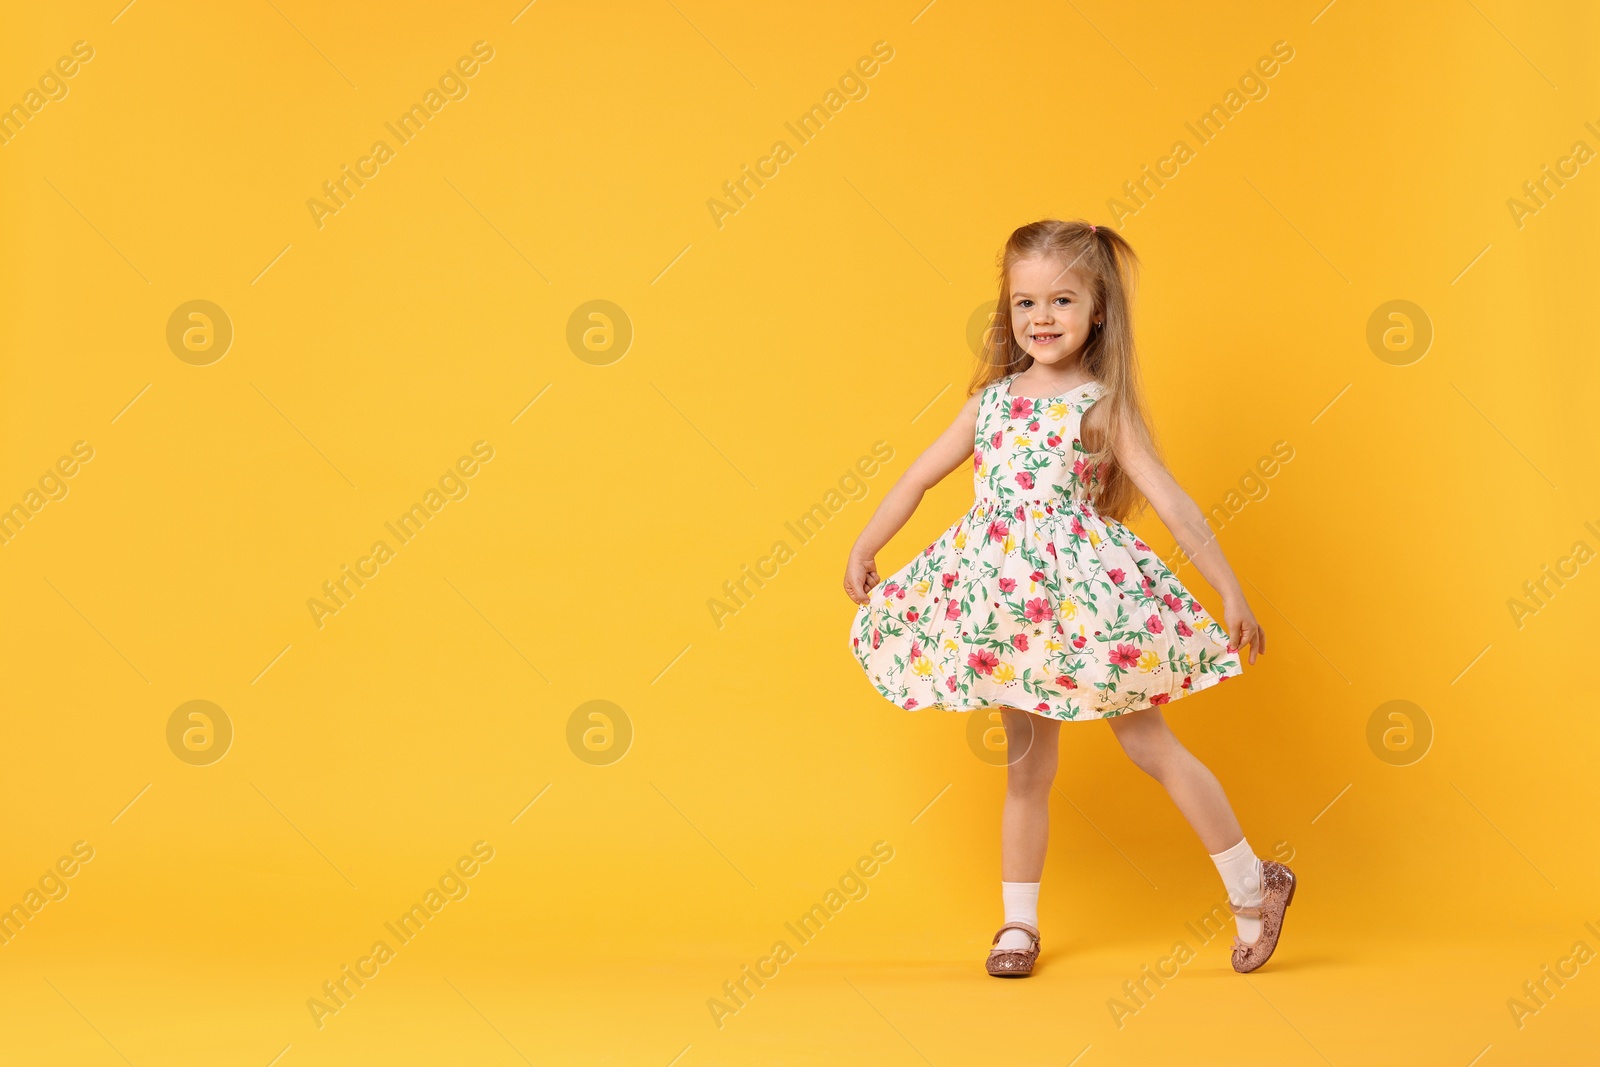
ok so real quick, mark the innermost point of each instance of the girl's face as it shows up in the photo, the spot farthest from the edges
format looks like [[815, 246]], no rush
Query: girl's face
[[1051, 312]]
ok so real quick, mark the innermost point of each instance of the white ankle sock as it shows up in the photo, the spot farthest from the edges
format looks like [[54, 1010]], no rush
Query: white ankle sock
[[1022, 906], [1241, 875]]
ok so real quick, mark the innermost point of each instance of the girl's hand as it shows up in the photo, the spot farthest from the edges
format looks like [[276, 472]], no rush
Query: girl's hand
[[860, 575], [1243, 630]]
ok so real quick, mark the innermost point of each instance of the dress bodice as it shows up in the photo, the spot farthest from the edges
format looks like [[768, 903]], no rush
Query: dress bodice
[[1031, 448]]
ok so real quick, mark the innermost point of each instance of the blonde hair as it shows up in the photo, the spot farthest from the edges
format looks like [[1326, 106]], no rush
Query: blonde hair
[[1108, 263]]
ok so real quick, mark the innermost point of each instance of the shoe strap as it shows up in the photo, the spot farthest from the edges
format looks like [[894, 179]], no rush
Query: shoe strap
[[1024, 927], [1249, 911]]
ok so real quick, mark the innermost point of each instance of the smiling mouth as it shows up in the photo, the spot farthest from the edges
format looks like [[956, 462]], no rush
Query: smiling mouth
[[1044, 338]]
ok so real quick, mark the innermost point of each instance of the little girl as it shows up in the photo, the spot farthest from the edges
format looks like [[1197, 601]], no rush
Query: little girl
[[1039, 601]]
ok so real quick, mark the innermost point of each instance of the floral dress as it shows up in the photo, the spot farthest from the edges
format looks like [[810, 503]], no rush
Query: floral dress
[[1032, 599]]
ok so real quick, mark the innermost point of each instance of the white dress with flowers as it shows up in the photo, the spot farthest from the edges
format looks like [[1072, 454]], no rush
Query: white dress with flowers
[[1032, 599]]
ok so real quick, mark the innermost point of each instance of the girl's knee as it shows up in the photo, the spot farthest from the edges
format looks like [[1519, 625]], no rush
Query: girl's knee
[[1152, 749], [1032, 776], [1148, 757]]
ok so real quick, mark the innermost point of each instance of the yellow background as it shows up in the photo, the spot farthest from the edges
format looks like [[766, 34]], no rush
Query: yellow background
[[768, 356]]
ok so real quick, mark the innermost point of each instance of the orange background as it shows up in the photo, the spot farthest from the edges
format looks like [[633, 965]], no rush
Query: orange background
[[629, 481]]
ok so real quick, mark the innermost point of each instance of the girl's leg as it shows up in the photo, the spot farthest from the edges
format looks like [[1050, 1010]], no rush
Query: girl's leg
[[1025, 822], [1150, 743], [1032, 745]]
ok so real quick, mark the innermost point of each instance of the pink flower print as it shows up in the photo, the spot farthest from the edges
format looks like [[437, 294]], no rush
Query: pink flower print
[[977, 459], [1078, 641], [984, 662], [953, 609], [949, 580], [1025, 479], [913, 615], [1124, 656], [1020, 642], [1036, 576], [1146, 586], [998, 530], [1050, 547], [875, 636], [1153, 624], [1184, 629], [1008, 585], [1116, 574], [1078, 468], [888, 590], [1160, 698], [1140, 545], [950, 683], [1038, 609], [1194, 607], [911, 704], [1021, 407], [1077, 528], [1053, 440], [1043, 706], [1064, 681], [1033, 427], [1187, 679], [994, 441], [916, 650], [1173, 603], [1021, 512]]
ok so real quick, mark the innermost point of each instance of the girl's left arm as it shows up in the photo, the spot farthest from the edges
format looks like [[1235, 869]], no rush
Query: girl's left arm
[[1187, 522]]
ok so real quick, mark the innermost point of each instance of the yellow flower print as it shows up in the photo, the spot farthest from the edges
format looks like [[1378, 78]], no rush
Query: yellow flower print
[[1010, 544], [1069, 610], [1004, 672], [960, 539], [1053, 645], [1023, 442], [1094, 539], [950, 644], [1149, 661], [983, 471], [923, 588], [922, 665], [1057, 411], [1038, 513]]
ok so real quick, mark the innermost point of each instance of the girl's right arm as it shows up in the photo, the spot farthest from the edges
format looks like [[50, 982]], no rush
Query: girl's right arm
[[943, 456]]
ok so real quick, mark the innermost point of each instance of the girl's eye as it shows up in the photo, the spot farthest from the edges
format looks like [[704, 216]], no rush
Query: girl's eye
[[1023, 303], [1064, 300]]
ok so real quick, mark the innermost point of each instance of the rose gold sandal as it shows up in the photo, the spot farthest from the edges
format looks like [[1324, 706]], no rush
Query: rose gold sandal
[[1013, 962], [1277, 887]]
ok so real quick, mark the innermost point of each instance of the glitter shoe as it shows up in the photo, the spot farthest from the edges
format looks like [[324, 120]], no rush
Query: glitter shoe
[[1013, 962], [1277, 887]]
